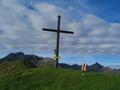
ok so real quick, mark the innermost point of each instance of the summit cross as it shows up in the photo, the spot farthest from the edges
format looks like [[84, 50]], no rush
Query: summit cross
[[58, 31]]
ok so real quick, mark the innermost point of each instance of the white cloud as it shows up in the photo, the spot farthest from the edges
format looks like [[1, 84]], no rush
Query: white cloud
[[21, 29]]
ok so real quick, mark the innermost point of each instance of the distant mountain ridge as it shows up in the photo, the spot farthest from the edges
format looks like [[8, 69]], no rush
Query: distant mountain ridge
[[94, 67], [67, 66], [114, 66], [12, 56], [29, 60], [36, 61]]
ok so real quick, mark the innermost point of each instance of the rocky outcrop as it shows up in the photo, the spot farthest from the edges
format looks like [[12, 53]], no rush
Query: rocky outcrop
[[29, 60]]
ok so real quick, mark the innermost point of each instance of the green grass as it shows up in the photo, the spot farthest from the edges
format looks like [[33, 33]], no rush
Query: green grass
[[58, 79], [11, 67]]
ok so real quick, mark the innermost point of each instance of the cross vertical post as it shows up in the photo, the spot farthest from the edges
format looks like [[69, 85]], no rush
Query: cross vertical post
[[58, 40]]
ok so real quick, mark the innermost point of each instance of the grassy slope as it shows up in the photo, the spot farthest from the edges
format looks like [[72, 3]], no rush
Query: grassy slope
[[10, 67], [17, 77]]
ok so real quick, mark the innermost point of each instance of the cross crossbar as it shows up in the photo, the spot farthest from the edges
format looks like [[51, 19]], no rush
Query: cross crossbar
[[54, 30]]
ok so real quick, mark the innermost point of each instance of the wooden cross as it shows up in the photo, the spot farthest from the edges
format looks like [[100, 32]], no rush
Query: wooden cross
[[58, 31]]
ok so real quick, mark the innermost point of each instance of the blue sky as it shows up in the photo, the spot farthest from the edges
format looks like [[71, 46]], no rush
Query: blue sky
[[96, 24]]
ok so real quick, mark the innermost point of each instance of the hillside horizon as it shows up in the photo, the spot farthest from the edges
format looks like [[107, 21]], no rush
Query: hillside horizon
[[21, 53]]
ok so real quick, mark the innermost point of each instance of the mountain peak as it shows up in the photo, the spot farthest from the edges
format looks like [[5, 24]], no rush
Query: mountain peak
[[13, 56], [20, 53], [96, 63], [96, 67]]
